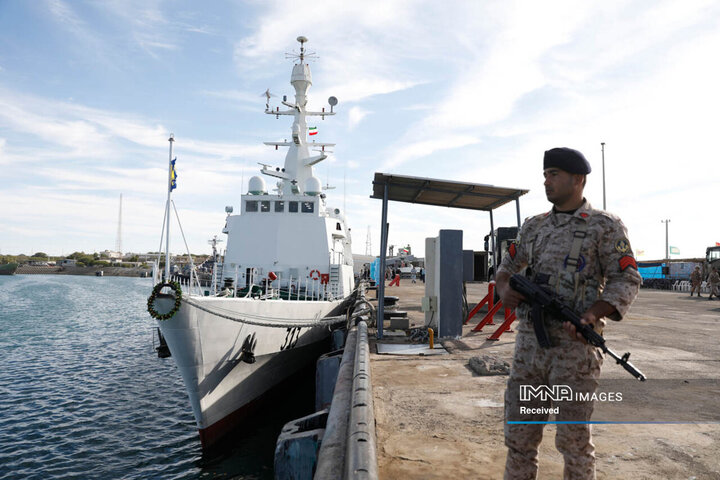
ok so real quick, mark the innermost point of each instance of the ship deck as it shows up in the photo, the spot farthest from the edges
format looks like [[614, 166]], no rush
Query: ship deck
[[437, 419]]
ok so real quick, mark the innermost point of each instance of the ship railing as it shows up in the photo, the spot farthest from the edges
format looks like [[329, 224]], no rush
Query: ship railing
[[295, 289]]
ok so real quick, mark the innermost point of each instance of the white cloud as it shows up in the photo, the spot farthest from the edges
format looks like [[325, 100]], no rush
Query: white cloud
[[402, 154], [355, 116]]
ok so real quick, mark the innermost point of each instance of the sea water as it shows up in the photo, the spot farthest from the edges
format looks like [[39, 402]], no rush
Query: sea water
[[83, 394]]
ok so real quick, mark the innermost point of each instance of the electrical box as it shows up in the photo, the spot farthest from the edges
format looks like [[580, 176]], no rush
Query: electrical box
[[429, 304]]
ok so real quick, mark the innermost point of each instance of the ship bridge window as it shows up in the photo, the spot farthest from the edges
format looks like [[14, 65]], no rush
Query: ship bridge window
[[251, 206], [265, 206], [293, 207], [279, 207], [308, 207]]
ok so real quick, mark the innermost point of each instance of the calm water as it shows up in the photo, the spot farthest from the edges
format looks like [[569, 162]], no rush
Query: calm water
[[83, 394]]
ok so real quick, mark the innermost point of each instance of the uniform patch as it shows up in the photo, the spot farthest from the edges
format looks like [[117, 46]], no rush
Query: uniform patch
[[627, 261], [622, 245], [584, 215], [512, 250]]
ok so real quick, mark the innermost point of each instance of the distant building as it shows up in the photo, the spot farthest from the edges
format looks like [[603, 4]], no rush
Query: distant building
[[67, 262]]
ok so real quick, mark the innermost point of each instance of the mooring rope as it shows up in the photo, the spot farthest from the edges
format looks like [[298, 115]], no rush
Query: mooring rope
[[287, 323]]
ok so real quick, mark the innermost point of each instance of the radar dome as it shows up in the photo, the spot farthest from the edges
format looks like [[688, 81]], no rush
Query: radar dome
[[256, 186], [313, 186]]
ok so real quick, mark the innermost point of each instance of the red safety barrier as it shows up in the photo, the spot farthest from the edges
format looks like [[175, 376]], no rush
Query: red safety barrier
[[505, 327], [489, 299], [488, 318]]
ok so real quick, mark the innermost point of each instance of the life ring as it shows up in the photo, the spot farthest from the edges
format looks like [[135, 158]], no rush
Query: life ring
[[312, 275], [175, 287]]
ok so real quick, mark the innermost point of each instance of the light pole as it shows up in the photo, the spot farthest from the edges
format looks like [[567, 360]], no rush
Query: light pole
[[667, 248], [602, 146]]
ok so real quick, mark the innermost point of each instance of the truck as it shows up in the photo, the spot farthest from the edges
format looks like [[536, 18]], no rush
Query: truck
[[496, 246], [712, 259]]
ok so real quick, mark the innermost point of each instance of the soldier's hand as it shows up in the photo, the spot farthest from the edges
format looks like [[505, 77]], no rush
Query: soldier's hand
[[510, 298], [587, 318]]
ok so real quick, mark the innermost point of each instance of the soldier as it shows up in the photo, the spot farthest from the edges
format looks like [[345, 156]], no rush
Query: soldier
[[714, 280], [696, 280], [583, 255]]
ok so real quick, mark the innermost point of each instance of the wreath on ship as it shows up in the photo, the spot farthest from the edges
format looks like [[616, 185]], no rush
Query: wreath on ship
[[175, 287]]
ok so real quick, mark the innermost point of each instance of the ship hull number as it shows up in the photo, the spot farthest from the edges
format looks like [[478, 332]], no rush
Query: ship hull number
[[291, 338]]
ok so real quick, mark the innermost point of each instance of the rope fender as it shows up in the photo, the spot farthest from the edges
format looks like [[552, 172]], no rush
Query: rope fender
[[175, 287]]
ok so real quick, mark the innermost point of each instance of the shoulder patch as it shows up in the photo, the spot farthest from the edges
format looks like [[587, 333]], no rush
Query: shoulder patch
[[622, 245], [512, 250]]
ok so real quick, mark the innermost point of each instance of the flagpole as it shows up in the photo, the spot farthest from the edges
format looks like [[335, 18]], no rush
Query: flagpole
[[167, 211], [667, 245]]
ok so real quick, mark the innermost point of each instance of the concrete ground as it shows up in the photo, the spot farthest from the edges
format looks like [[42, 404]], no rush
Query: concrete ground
[[436, 419]]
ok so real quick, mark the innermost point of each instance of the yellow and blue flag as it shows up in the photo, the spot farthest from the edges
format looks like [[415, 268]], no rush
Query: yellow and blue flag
[[173, 175]]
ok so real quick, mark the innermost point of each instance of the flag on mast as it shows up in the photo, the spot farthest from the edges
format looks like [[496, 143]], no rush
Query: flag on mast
[[173, 175], [312, 131]]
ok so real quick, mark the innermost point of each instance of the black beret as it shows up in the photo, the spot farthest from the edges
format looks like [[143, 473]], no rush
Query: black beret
[[566, 159]]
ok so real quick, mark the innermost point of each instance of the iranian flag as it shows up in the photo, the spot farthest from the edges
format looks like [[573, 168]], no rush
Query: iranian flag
[[312, 131]]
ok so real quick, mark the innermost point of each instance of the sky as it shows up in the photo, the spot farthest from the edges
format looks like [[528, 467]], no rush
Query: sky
[[456, 90]]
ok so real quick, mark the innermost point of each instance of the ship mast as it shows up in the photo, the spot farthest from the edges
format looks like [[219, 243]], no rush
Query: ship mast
[[298, 161]]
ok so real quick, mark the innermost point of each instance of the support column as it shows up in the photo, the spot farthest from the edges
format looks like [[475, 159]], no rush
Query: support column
[[383, 249], [493, 245]]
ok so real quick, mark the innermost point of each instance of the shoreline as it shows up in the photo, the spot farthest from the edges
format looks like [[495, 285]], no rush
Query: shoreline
[[107, 271]]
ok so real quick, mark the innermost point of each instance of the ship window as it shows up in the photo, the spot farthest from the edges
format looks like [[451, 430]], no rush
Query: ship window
[[308, 207], [251, 206], [338, 227], [279, 207], [265, 206], [293, 207]]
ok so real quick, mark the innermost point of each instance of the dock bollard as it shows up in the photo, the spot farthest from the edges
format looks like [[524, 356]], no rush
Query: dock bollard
[[431, 333]]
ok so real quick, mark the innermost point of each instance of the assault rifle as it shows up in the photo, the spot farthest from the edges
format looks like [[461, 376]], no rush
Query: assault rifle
[[553, 305]]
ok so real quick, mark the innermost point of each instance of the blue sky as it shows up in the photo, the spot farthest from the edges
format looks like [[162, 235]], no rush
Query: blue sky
[[469, 91]]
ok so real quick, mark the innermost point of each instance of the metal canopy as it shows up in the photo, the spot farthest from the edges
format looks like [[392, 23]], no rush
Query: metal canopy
[[443, 193]]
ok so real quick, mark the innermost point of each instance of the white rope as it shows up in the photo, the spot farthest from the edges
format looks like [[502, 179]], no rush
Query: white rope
[[286, 323]]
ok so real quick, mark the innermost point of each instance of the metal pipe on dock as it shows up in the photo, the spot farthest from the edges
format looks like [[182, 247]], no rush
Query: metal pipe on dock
[[331, 457], [348, 450], [361, 460]]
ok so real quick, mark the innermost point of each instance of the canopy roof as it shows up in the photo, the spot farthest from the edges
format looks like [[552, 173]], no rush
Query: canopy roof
[[443, 193]]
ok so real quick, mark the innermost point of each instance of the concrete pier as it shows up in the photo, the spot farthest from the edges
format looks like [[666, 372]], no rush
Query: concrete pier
[[437, 419]]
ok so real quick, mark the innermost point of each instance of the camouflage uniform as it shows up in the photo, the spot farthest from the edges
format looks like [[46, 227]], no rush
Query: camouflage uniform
[[695, 281], [714, 280], [605, 270]]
